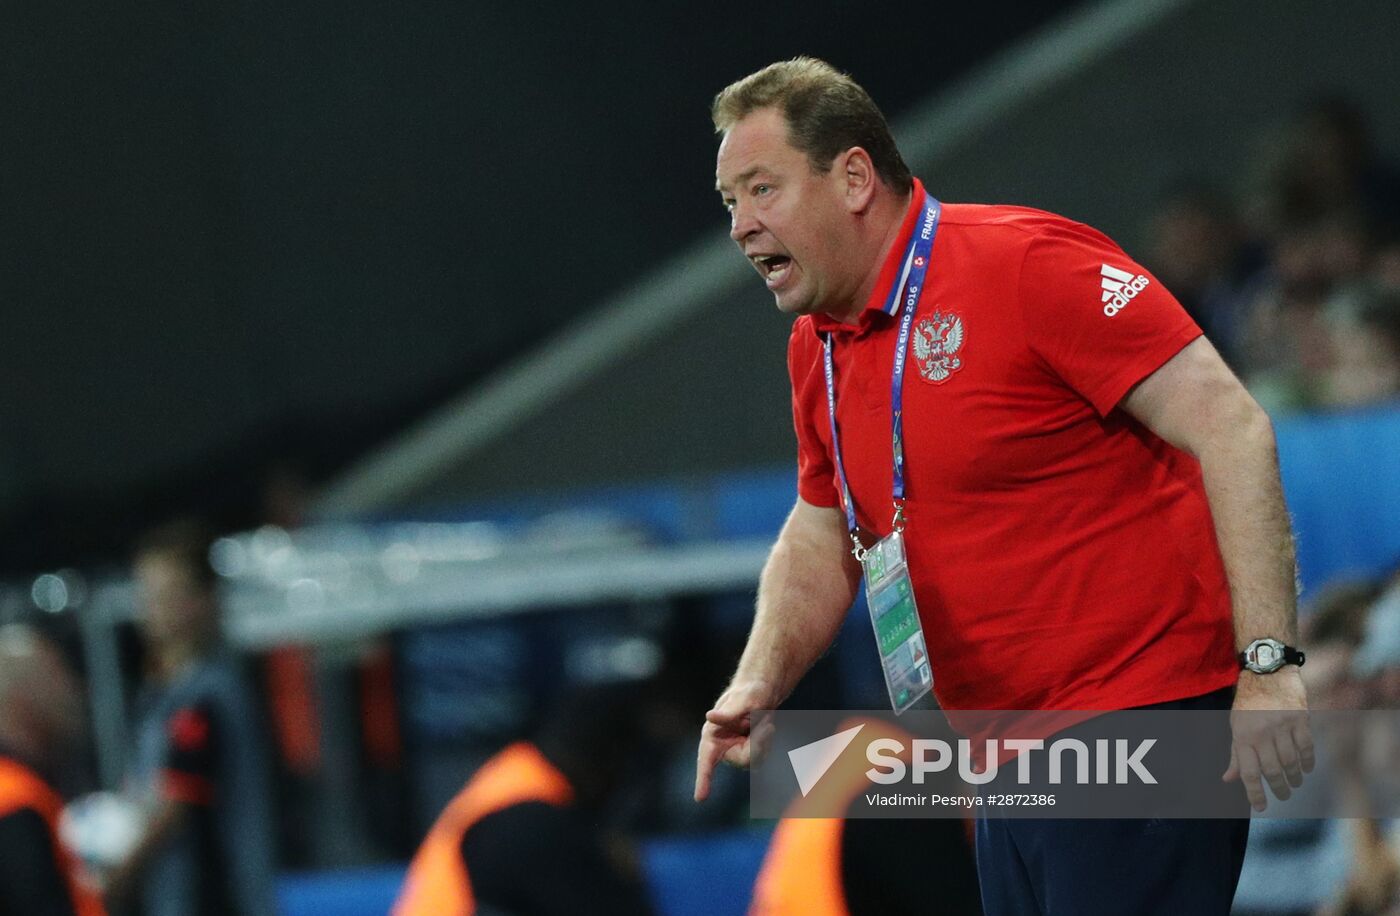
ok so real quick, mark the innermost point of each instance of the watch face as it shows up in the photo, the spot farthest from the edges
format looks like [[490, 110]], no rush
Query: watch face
[[1266, 656]]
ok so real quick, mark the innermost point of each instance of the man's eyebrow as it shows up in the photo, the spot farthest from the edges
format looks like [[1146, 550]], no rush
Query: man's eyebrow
[[743, 178]]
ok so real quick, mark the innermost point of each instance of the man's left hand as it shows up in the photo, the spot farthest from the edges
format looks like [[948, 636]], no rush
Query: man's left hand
[[1272, 739]]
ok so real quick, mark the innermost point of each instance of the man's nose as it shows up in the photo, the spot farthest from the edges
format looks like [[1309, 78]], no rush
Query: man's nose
[[741, 223]]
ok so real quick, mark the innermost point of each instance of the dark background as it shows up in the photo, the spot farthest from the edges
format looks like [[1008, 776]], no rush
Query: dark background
[[239, 236]]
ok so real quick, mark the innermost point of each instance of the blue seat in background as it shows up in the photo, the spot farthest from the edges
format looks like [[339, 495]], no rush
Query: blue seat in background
[[753, 504], [1341, 476], [351, 892], [708, 875]]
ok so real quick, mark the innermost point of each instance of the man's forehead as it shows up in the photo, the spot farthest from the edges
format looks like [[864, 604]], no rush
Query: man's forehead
[[756, 143]]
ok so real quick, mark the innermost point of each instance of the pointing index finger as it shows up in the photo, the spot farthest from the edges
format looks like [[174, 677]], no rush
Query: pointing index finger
[[710, 753]]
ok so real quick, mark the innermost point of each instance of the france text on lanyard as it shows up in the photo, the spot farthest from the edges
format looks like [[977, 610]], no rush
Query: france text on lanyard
[[905, 294]]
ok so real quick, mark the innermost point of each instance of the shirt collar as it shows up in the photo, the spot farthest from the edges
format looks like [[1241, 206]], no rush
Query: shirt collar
[[874, 309]]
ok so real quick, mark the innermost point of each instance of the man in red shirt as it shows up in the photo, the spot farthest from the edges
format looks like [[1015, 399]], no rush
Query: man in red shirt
[[1084, 486]]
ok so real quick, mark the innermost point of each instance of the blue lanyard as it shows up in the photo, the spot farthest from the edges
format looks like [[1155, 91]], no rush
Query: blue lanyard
[[905, 293]]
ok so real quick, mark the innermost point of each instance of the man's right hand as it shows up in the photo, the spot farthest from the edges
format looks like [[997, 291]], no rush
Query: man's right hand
[[807, 586], [728, 734]]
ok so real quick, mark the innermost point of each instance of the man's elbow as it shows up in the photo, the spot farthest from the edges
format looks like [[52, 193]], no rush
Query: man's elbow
[[1238, 425], [1252, 422]]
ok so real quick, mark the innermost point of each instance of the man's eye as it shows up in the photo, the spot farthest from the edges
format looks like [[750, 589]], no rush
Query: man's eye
[[728, 203], [762, 188]]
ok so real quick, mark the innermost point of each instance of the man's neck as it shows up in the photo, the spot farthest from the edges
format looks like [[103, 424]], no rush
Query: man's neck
[[878, 237]]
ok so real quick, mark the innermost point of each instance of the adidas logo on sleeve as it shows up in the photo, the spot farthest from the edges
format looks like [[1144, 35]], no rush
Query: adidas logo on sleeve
[[1120, 288]]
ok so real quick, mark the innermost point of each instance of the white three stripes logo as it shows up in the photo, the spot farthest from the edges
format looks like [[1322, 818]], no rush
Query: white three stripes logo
[[1120, 288], [1113, 281]]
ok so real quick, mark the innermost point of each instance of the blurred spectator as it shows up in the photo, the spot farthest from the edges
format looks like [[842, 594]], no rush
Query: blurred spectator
[[1337, 629], [289, 671], [289, 681], [525, 835], [1379, 662], [1372, 883], [1295, 866], [1327, 162], [1308, 335], [1385, 267], [1286, 336], [1196, 248], [1334, 629], [1365, 343], [198, 762], [295, 682], [1377, 669], [41, 723]]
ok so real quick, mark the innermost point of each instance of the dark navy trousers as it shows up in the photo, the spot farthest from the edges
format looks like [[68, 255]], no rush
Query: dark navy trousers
[[1112, 867]]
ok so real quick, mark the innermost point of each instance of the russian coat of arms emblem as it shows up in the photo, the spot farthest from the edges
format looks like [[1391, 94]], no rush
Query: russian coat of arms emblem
[[937, 342]]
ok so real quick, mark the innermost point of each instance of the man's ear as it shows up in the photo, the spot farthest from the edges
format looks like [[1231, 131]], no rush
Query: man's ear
[[858, 177]]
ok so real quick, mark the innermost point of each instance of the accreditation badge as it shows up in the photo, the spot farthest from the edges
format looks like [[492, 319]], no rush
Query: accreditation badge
[[898, 633]]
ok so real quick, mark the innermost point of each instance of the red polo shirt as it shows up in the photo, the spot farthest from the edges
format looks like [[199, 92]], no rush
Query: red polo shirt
[[1063, 556]]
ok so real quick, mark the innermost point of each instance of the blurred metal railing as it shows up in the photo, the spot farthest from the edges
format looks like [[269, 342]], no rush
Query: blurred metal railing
[[326, 585], [332, 587]]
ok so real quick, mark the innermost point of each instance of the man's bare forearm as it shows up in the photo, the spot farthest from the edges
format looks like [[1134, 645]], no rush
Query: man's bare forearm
[[1241, 476], [806, 588]]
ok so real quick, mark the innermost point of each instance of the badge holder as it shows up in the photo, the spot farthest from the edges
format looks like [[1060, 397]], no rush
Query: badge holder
[[898, 633]]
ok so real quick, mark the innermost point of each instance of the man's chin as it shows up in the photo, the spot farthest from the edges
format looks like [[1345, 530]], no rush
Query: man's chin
[[789, 304]]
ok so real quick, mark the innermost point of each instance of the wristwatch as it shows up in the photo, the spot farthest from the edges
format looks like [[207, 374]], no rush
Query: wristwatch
[[1265, 656]]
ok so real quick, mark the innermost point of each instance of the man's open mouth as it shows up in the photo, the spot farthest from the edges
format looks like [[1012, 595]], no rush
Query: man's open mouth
[[773, 267]]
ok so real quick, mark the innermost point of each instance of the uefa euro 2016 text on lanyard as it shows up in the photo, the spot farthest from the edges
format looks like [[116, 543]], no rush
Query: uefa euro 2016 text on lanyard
[[888, 589]]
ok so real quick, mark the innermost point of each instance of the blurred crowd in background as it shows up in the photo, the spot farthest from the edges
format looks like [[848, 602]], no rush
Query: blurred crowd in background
[[1294, 273], [1351, 629]]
